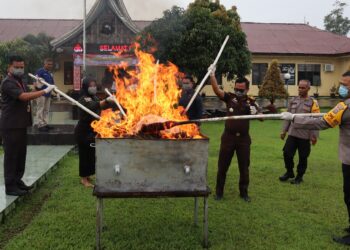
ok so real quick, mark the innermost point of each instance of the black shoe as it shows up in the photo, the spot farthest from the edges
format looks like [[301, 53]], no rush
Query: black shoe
[[345, 240], [23, 186], [347, 229], [286, 176], [297, 180], [218, 197], [16, 192], [50, 127], [246, 198], [44, 129]]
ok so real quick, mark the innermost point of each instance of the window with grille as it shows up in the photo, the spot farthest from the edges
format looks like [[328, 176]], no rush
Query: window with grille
[[258, 73], [311, 72]]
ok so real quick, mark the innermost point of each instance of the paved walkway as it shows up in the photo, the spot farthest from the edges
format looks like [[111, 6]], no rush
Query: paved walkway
[[40, 159]]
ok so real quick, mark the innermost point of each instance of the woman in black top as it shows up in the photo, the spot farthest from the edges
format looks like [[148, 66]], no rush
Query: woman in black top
[[83, 131]]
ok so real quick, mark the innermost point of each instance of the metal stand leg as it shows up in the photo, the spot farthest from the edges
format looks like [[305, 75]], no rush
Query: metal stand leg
[[205, 239], [99, 222], [196, 211]]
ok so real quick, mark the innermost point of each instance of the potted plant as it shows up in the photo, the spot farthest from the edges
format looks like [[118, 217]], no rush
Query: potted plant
[[333, 91]]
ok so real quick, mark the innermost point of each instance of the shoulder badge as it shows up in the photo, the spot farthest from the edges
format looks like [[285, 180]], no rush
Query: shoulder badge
[[315, 107], [333, 117]]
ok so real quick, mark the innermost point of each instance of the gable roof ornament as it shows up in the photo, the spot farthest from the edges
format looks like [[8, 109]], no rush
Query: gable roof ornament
[[117, 7]]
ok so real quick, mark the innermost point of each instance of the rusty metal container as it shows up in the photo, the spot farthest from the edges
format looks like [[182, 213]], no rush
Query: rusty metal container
[[134, 165]]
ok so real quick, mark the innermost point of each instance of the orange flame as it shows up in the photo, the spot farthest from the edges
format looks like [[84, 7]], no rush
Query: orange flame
[[148, 94]]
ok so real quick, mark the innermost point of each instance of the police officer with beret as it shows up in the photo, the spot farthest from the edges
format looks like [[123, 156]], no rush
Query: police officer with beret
[[236, 136], [298, 139], [338, 116], [15, 118]]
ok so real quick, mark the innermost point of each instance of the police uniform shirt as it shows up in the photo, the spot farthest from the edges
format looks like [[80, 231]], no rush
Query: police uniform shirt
[[238, 106], [15, 113], [300, 105], [344, 127]]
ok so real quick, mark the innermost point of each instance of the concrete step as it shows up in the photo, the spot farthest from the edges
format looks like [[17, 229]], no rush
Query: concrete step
[[61, 134]]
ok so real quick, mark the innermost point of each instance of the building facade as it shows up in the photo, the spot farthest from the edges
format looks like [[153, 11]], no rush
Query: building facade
[[302, 50]]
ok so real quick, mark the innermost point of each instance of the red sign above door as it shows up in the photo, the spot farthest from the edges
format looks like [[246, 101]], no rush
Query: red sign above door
[[114, 48]]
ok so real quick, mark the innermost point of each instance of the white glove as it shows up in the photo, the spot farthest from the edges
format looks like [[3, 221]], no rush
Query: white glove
[[110, 99], [212, 69], [253, 110], [49, 89], [38, 84], [287, 116]]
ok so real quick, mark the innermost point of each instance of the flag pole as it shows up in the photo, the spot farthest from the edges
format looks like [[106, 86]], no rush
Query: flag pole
[[84, 40]]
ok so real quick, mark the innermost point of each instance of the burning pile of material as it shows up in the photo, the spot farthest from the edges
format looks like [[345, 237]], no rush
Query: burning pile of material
[[149, 94]]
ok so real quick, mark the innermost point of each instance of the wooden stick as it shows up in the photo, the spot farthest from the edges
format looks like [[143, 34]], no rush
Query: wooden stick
[[66, 96], [207, 75]]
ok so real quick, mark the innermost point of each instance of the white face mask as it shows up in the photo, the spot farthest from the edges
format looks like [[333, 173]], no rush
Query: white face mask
[[186, 86], [18, 72], [92, 90]]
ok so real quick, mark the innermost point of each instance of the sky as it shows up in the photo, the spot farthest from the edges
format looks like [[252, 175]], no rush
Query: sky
[[267, 11]]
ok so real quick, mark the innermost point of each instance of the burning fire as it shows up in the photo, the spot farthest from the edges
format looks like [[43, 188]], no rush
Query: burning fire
[[149, 94]]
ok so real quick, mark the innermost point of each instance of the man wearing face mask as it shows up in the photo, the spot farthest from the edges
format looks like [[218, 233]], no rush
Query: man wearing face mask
[[196, 109], [236, 136], [338, 116], [43, 102], [298, 139], [15, 118]]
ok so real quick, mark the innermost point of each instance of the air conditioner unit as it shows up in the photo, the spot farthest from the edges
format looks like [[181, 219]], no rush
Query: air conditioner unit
[[329, 67]]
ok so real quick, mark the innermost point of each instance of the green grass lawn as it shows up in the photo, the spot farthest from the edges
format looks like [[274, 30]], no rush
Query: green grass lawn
[[61, 213]]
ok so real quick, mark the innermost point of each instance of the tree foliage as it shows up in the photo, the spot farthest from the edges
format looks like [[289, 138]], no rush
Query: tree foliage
[[335, 21], [32, 48], [191, 39], [273, 86]]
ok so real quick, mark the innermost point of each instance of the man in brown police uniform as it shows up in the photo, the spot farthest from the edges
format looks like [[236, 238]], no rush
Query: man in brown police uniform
[[338, 116], [236, 134], [299, 139]]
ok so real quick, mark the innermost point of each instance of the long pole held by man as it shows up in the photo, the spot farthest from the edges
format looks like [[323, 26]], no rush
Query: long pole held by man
[[15, 118], [338, 116]]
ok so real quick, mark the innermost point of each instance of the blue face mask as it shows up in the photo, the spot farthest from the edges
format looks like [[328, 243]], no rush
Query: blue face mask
[[343, 91]]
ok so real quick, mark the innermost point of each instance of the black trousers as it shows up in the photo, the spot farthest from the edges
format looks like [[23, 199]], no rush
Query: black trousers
[[346, 186], [291, 146], [87, 160], [229, 145], [15, 152]]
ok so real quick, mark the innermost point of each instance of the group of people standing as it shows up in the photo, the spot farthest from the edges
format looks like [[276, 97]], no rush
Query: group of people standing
[[302, 131]]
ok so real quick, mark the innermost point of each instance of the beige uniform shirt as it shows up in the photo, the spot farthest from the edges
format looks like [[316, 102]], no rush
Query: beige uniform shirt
[[344, 134], [300, 105]]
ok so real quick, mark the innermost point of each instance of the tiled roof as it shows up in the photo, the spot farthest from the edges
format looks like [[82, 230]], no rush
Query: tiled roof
[[11, 29], [279, 38], [263, 38]]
